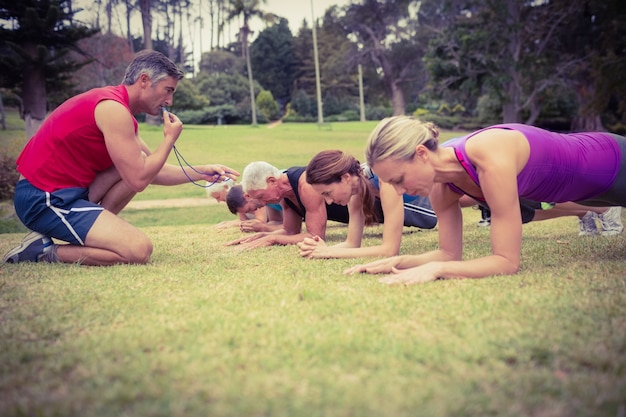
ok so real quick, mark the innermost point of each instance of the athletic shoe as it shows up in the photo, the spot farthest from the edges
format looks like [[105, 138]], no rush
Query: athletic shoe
[[486, 222], [611, 221], [485, 215], [34, 246], [588, 224]]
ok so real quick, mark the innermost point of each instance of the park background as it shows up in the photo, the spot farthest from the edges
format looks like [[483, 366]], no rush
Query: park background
[[460, 63], [207, 330]]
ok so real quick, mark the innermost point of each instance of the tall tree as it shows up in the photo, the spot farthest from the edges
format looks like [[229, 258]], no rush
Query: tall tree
[[385, 30], [111, 55], [593, 47], [247, 9], [513, 50], [130, 7], [34, 52], [146, 20], [305, 66], [339, 59], [272, 56]]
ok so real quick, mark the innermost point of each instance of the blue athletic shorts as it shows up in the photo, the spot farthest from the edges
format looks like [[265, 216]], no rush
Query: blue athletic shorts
[[65, 214]]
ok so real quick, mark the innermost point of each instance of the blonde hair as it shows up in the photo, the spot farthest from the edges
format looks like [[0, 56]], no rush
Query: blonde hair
[[398, 136]]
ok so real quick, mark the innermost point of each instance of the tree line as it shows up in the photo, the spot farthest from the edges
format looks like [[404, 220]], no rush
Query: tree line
[[460, 63]]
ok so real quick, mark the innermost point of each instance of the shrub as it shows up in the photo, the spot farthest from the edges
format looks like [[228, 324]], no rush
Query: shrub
[[267, 105], [296, 118], [227, 113], [377, 113], [8, 177], [618, 128], [489, 109], [345, 116]]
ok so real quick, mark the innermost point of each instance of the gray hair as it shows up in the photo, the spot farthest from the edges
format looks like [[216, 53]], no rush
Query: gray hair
[[156, 65], [255, 175], [397, 137]]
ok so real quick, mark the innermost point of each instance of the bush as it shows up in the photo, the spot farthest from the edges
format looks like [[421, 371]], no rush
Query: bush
[[489, 109], [8, 177], [377, 113], [267, 105], [618, 128], [211, 115], [192, 117], [296, 118], [346, 116]]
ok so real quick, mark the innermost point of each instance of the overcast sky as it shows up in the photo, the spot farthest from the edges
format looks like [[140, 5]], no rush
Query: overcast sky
[[293, 10], [297, 10]]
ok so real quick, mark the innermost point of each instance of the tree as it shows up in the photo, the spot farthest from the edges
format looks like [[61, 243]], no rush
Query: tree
[[386, 33], [304, 77], [34, 52], [272, 56], [130, 7], [267, 105], [247, 9], [218, 62], [222, 80], [146, 20], [225, 89], [518, 51], [111, 55], [592, 45], [339, 60], [188, 97]]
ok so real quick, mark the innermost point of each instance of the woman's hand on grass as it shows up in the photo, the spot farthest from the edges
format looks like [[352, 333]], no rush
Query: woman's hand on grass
[[418, 275], [382, 266], [312, 247]]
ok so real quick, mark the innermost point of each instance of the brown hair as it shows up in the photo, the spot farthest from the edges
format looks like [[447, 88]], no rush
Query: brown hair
[[235, 198], [327, 167]]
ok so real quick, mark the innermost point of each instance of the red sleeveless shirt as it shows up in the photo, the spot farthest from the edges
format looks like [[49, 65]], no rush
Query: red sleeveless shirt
[[68, 150]]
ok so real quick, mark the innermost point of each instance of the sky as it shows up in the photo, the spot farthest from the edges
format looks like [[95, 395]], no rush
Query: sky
[[297, 10], [293, 10]]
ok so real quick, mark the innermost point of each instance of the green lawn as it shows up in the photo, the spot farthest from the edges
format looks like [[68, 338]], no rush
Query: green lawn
[[207, 330]]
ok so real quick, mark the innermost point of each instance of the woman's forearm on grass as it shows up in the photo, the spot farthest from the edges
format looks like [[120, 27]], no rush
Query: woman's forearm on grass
[[411, 261], [478, 268], [285, 239], [344, 251]]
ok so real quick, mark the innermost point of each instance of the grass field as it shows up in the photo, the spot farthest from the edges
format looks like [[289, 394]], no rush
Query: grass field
[[206, 330]]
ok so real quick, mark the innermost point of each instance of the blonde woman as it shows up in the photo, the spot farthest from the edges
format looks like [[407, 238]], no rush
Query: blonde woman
[[498, 165]]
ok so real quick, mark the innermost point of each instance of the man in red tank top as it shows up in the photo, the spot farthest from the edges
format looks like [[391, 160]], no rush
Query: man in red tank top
[[87, 161]]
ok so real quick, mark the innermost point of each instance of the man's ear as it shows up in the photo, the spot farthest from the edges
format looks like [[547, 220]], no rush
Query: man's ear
[[144, 78], [271, 180]]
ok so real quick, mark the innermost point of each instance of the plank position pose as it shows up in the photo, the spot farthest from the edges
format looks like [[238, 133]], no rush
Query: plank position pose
[[340, 178], [498, 165], [300, 202], [87, 161]]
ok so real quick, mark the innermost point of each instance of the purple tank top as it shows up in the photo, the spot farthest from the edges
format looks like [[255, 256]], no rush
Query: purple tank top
[[561, 167]]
